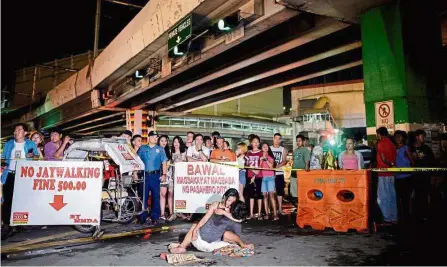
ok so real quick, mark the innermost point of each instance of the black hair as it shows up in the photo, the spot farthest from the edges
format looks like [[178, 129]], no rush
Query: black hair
[[167, 150], [350, 138], [401, 133], [277, 134], [206, 138], [197, 135], [189, 133], [270, 153], [301, 137], [382, 131], [215, 133], [255, 137], [250, 136], [228, 144], [24, 126], [128, 132], [358, 136], [232, 192], [238, 210], [135, 137], [182, 145], [420, 132]]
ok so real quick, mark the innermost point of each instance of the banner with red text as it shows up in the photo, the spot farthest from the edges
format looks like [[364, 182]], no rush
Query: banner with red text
[[198, 184], [57, 193]]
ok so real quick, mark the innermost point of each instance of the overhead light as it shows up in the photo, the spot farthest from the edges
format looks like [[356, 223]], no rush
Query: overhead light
[[221, 26], [177, 53]]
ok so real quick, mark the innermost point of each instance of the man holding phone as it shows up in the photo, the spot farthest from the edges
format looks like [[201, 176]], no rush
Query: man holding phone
[[220, 154], [54, 150], [15, 149]]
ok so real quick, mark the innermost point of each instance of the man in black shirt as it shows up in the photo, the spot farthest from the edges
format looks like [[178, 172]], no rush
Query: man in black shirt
[[423, 157]]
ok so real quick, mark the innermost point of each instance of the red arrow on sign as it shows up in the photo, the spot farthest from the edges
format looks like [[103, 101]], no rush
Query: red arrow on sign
[[58, 202]]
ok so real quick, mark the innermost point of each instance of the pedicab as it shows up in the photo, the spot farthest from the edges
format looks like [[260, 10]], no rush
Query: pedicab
[[121, 202]]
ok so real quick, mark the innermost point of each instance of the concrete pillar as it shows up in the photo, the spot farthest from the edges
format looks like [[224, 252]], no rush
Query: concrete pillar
[[401, 47]]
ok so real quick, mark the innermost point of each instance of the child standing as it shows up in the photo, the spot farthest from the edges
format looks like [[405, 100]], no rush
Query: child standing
[[268, 180], [254, 181]]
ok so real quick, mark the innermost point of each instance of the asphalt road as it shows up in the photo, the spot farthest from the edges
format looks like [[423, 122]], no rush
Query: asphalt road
[[279, 243]]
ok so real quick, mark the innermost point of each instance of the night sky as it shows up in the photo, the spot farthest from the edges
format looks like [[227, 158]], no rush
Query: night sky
[[35, 32]]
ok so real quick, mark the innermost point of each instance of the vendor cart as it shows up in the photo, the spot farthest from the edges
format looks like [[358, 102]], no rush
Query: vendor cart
[[123, 175]]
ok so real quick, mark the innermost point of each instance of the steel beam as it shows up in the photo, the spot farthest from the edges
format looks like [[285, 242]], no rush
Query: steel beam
[[251, 31], [94, 120], [260, 76], [300, 79], [323, 27]]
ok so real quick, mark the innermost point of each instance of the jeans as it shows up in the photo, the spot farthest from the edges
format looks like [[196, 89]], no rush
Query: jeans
[[386, 198], [152, 184]]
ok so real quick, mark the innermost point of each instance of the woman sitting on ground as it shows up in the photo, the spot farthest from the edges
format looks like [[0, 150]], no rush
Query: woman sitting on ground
[[218, 228]]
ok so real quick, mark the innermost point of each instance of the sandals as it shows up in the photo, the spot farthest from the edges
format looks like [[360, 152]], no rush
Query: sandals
[[276, 218], [172, 218], [266, 217]]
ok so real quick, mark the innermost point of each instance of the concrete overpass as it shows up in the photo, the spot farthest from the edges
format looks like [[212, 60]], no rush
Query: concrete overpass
[[281, 45]]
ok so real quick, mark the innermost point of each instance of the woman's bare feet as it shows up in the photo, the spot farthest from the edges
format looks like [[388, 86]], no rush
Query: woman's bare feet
[[178, 250]]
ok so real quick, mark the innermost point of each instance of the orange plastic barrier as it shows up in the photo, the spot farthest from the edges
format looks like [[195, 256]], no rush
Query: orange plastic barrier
[[336, 199]]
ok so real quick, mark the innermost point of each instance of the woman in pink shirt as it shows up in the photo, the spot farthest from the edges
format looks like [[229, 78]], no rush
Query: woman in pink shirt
[[267, 161], [350, 159]]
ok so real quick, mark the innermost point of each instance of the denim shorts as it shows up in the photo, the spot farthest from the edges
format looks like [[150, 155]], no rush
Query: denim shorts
[[242, 177], [268, 184]]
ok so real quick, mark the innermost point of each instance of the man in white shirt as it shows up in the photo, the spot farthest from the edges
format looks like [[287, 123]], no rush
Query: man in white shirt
[[18, 148], [198, 152], [280, 158]]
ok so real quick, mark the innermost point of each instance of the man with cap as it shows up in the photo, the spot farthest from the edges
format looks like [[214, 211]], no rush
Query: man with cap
[[153, 157], [126, 134], [54, 150]]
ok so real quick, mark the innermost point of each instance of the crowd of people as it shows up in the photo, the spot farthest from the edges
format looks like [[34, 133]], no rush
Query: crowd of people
[[262, 182]]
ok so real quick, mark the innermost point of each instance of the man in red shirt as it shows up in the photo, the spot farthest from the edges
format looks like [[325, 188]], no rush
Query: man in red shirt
[[386, 194]]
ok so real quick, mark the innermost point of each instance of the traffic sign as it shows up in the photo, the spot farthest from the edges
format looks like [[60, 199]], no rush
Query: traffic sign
[[180, 33], [385, 115]]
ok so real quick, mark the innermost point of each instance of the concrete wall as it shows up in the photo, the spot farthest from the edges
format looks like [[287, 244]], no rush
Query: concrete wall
[[346, 102], [266, 104], [46, 78]]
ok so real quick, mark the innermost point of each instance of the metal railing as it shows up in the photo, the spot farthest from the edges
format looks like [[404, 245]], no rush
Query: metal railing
[[230, 124]]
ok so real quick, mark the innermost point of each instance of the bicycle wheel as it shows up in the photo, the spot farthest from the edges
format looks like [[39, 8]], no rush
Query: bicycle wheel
[[84, 228], [127, 208]]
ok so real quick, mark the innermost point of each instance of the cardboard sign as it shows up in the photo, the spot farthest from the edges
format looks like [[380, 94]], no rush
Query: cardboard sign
[[199, 184], [57, 193]]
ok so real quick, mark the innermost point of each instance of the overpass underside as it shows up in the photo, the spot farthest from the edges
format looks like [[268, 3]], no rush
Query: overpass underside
[[282, 49]]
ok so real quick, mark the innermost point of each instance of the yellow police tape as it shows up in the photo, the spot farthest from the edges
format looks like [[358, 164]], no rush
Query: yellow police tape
[[289, 168]]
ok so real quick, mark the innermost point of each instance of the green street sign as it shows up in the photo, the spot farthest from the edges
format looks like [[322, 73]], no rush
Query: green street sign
[[180, 33]]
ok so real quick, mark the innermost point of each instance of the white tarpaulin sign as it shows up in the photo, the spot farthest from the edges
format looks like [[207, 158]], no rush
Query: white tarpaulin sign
[[124, 156], [198, 184], [57, 193]]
